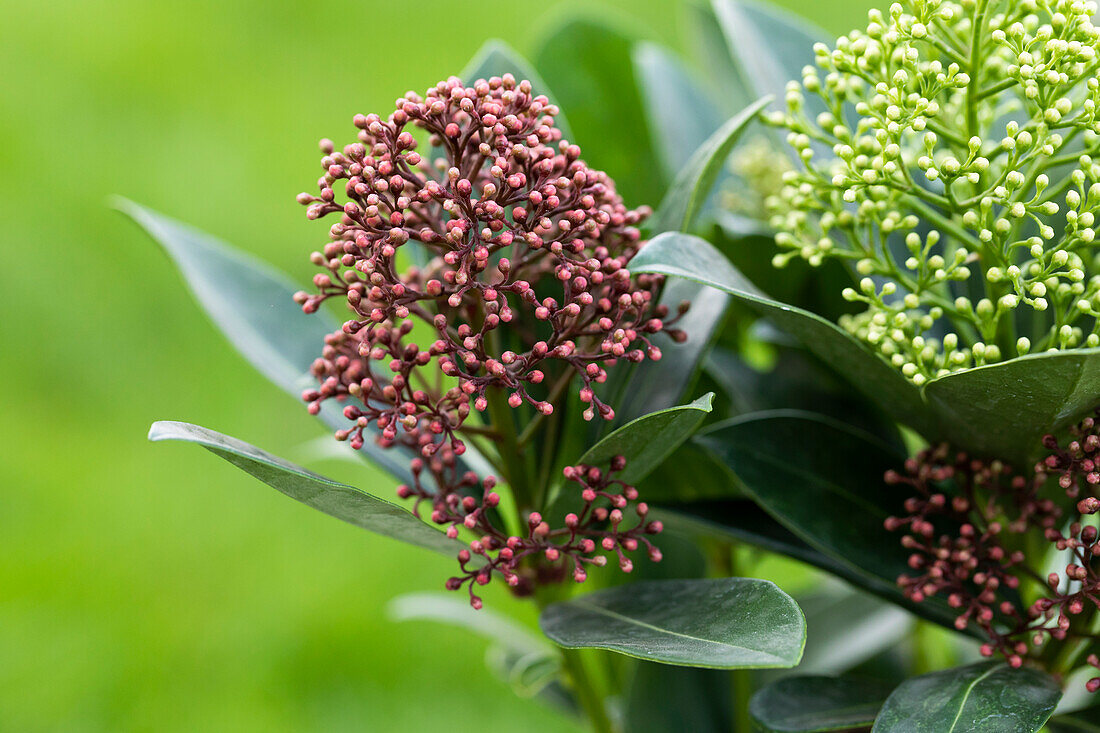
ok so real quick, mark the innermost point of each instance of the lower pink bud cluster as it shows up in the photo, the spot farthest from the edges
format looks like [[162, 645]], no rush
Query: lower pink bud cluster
[[966, 527], [601, 525]]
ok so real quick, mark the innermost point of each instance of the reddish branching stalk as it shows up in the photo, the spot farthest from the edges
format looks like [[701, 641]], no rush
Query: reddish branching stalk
[[525, 279], [960, 520]]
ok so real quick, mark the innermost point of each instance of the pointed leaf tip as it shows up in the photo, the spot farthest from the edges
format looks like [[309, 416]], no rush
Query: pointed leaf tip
[[693, 184], [336, 499]]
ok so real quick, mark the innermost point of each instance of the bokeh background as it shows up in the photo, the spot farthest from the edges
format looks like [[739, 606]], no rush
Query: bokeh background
[[154, 587]]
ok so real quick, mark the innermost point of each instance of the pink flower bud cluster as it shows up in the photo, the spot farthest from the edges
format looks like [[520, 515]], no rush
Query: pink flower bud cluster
[[955, 526], [523, 285], [517, 231], [544, 553], [1077, 588]]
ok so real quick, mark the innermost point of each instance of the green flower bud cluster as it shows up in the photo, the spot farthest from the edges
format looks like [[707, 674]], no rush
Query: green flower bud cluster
[[756, 175], [951, 154]]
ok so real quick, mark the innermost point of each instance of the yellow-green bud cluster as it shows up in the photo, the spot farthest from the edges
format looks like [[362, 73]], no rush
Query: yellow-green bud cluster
[[951, 154]]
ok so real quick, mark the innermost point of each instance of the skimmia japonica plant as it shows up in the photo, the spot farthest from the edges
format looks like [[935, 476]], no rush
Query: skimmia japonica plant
[[865, 339]]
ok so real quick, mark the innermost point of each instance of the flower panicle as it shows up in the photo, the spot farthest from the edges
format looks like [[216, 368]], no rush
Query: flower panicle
[[927, 152], [520, 286], [958, 526]]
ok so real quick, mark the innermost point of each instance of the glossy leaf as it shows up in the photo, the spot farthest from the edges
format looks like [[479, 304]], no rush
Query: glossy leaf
[[496, 58], [252, 304], [728, 623], [648, 440], [250, 301], [331, 497], [810, 704], [744, 521], [793, 381], [1000, 410], [666, 698], [1004, 409], [587, 63], [770, 46], [689, 476], [681, 113], [990, 696], [694, 182], [684, 255], [823, 481]]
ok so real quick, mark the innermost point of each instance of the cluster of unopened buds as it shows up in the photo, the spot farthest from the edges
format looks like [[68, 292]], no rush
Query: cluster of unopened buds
[[949, 152], [517, 284], [959, 524], [601, 525]]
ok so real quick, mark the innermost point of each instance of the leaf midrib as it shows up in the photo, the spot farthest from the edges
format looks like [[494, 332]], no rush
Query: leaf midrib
[[628, 619], [966, 695]]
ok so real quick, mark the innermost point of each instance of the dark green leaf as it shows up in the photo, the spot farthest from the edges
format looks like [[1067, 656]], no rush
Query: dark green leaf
[[683, 255], [989, 697], [728, 623], [681, 113], [750, 247], [689, 476], [809, 704], [744, 521], [252, 304], [647, 441], [496, 58], [823, 481], [770, 46], [695, 180], [331, 497], [665, 698], [587, 63], [1003, 410], [793, 381]]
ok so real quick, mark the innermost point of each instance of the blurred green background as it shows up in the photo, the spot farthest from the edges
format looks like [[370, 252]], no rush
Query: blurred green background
[[154, 587]]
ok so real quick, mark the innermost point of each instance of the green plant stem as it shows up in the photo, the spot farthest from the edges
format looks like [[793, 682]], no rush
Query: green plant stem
[[742, 694], [973, 91], [923, 659], [580, 681], [726, 566], [584, 689], [500, 415]]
